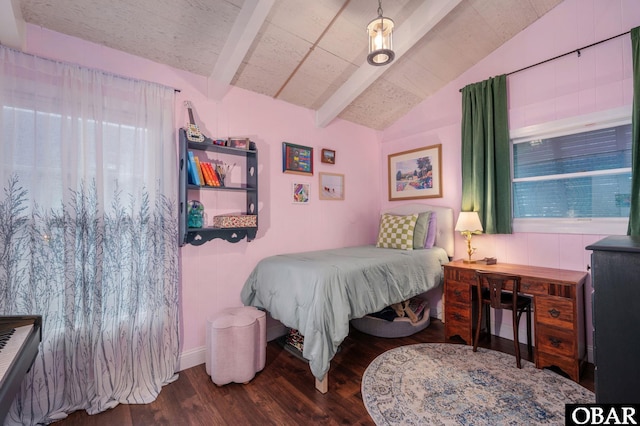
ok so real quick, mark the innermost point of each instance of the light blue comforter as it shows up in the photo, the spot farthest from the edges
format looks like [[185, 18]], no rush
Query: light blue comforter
[[318, 292]]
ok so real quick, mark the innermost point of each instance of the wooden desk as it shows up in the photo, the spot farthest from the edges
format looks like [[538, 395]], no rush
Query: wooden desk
[[558, 303]]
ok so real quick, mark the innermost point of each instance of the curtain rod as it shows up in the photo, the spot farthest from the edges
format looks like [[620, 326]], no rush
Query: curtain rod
[[89, 68], [578, 51]]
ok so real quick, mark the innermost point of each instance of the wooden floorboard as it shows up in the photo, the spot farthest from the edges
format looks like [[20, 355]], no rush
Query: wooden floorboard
[[282, 394]]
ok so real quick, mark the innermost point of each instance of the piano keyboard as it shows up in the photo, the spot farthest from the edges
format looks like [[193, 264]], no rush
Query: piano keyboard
[[17, 355], [10, 346]]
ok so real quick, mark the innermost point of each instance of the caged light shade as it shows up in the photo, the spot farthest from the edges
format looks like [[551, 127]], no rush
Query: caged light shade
[[380, 31]]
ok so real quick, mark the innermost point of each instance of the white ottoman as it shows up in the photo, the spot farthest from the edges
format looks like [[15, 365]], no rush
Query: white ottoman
[[236, 345]]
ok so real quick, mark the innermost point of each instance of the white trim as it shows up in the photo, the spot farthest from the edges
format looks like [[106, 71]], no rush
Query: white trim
[[574, 175], [572, 125], [424, 18], [191, 358], [595, 226], [243, 32], [12, 25], [594, 121]]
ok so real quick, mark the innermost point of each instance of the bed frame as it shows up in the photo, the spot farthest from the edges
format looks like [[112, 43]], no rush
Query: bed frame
[[444, 238]]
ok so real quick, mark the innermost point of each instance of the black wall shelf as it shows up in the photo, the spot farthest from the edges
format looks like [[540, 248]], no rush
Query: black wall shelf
[[199, 236]]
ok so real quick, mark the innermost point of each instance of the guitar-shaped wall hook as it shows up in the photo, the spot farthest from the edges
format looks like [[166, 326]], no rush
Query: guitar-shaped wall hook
[[193, 132]]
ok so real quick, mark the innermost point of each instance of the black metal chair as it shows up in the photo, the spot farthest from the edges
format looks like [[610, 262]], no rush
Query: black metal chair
[[492, 292]]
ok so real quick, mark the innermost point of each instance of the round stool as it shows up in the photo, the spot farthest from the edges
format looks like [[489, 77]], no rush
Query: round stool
[[236, 345]]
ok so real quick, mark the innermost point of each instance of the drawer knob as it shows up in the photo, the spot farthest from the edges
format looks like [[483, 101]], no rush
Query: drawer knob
[[555, 342], [554, 312], [457, 316], [457, 293]]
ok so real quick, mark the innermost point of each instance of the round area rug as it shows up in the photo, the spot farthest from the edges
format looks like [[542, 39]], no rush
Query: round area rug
[[449, 384]]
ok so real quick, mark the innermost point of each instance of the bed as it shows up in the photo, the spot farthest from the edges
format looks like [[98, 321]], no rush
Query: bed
[[319, 292]]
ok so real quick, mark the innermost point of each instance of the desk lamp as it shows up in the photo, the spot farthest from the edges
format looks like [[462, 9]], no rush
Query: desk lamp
[[469, 224]]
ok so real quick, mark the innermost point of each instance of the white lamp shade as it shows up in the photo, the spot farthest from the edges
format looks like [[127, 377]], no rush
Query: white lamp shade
[[469, 221]]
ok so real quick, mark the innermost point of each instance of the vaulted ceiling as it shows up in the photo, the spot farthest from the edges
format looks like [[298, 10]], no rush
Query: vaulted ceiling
[[310, 53]]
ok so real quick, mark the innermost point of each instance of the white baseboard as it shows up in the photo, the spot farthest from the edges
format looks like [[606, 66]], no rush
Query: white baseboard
[[197, 356], [191, 358], [436, 312]]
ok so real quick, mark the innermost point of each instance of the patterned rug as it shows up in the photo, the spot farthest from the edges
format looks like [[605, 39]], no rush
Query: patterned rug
[[449, 384]]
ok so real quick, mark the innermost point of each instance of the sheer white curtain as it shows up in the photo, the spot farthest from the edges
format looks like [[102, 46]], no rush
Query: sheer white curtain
[[88, 233]]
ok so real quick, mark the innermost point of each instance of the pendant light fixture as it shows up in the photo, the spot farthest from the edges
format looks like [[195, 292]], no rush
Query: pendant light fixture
[[380, 32]]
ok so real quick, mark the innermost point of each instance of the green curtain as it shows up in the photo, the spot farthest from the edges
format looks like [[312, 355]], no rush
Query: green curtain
[[634, 212], [486, 159]]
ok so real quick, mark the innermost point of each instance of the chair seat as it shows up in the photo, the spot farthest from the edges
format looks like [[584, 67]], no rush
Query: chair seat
[[505, 300]]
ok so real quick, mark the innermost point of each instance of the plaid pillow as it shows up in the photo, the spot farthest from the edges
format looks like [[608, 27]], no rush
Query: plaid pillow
[[397, 231]]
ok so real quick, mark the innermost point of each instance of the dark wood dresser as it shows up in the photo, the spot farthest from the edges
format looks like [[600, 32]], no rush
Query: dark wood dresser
[[615, 273], [558, 300]]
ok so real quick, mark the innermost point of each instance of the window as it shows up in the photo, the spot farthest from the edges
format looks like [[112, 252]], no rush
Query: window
[[44, 159], [573, 176]]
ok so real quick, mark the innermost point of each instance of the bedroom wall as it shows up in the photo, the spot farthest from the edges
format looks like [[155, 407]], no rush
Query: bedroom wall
[[213, 274], [600, 79]]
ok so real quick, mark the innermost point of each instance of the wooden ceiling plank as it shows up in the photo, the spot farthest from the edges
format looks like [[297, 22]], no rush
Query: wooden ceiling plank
[[11, 24], [243, 32], [409, 33]]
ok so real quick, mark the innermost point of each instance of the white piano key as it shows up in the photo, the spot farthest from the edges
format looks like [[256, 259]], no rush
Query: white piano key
[[8, 353]]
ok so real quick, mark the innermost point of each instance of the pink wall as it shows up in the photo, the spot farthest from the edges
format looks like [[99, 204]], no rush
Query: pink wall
[[213, 274], [600, 79]]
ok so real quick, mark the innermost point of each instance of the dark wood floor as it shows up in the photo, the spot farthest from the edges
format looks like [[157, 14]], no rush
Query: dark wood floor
[[281, 394]]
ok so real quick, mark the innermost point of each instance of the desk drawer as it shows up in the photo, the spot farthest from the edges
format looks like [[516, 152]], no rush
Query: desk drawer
[[458, 321], [458, 314], [533, 287], [459, 274], [457, 292], [556, 311], [556, 341]]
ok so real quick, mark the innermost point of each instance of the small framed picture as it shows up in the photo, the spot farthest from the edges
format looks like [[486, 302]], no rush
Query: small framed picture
[[300, 193], [240, 143], [297, 159], [331, 186], [328, 156]]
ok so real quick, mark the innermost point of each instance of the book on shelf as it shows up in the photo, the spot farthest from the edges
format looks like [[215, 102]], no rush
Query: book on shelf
[[199, 169], [207, 174], [214, 175], [219, 177], [192, 169]]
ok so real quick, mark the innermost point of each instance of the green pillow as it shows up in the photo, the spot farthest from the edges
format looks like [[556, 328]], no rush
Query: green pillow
[[397, 231], [422, 227]]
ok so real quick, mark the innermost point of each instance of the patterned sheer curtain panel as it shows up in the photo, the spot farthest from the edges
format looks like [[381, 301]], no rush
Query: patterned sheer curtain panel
[[88, 234]]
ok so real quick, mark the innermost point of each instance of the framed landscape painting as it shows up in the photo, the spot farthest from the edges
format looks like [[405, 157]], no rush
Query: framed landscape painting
[[331, 186], [416, 174], [328, 156]]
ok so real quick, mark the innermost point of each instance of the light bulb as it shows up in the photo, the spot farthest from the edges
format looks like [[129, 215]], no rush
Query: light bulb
[[378, 40]]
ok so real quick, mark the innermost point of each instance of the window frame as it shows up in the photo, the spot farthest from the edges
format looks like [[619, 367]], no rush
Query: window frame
[[588, 122]]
